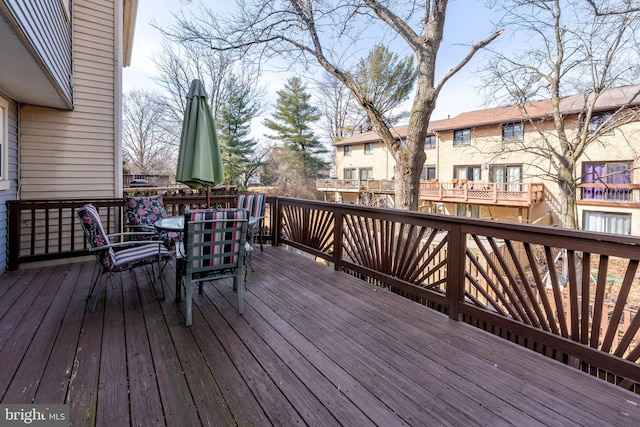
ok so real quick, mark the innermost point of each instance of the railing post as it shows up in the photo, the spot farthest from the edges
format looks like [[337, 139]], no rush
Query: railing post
[[13, 228], [337, 239], [276, 222], [456, 267]]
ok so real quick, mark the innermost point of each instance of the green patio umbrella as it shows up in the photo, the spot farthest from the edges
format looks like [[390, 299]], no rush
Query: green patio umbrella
[[199, 158]]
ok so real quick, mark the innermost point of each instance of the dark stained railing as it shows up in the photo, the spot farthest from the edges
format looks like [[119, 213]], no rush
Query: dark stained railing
[[41, 230], [559, 292], [567, 294]]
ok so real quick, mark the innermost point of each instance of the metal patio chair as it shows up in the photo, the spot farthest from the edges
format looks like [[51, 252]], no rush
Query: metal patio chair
[[143, 212], [255, 204], [214, 248], [120, 255]]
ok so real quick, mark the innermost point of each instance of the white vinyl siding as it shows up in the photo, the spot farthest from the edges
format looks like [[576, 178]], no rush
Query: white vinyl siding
[[73, 153], [47, 27]]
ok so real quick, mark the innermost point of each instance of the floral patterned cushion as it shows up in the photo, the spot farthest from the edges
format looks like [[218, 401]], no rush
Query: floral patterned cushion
[[92, 226], [144, 211]]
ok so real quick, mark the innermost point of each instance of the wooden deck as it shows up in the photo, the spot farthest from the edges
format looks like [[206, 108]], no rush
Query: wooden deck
[[314, 347]]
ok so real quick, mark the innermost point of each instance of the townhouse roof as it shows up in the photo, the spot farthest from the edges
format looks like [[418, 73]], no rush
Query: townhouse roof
[[610, 99]]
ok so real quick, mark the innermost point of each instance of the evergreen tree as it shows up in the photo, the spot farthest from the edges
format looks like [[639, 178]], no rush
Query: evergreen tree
[[386, 81], [234, 118], [291, 122]]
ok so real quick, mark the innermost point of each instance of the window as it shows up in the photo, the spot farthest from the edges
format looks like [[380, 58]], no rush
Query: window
[[506, 173], [349, 173], [513, 132], [461, 137], [4, 144], [430, 141], [365, 174], [606, 222], [428, 173], [470, 173], [347, 150], [602, 121], [617, 173], [401, 142], [368, 148]]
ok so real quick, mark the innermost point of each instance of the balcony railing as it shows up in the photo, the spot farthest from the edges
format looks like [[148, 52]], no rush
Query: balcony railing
[[627, 195], [564, 293], [514, 194], [356, 185]]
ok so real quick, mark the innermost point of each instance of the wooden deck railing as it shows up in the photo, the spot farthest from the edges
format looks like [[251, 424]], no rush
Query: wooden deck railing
[[568, 294], [559, 292], [483, 193], [41, 230], [356, 185]]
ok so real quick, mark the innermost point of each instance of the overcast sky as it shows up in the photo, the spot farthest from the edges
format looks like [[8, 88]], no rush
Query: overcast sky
[[467, 22]]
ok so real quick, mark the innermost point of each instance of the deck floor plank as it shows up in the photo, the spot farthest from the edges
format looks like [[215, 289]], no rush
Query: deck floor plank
[[416, 346], [32, 366], [255, 376], [178, 404], [54, 385], [314, 347], [145, 402], [113, 400]]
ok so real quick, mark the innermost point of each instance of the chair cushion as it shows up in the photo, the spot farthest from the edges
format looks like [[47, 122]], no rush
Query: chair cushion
[[254, 203], [95, 233], [138, 255], [144, 211], [217, 234]]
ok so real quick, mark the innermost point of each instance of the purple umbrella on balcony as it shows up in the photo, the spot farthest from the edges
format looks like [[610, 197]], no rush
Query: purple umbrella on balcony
[[199, 158]]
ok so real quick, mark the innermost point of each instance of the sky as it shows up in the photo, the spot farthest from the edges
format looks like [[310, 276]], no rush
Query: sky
[[467, 22]]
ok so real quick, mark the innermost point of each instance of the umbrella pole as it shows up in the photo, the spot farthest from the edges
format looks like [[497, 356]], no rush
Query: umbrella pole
[[208, 197]]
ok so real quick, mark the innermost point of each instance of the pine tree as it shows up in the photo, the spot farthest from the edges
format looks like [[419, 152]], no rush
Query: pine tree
[[292, 124], [234, 119]]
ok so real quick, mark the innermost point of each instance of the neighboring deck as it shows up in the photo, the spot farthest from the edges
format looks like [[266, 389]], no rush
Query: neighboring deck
[[314, 347]]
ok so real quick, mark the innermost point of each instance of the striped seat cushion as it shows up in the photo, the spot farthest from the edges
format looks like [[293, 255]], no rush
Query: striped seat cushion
[[138, 255], [217, 245], [255, 205]]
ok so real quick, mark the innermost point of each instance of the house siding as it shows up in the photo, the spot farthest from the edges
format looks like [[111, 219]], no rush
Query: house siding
[[44, 23], [68, 154], [12, 192]]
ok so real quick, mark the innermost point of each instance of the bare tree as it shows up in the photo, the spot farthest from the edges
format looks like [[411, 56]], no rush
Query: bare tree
[[342, 115], [570, 50], [614, 7], [148, 146], [179, 63], [306, 31]]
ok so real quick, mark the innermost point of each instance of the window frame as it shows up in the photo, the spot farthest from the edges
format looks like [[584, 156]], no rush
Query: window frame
[[368, 148], [609, 173], [432, 144], [506, 175], [512, 137], [461, 137], [369, 173], [607, 217], [352, 171], [598, 119], [424, 174], [469, 168]]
